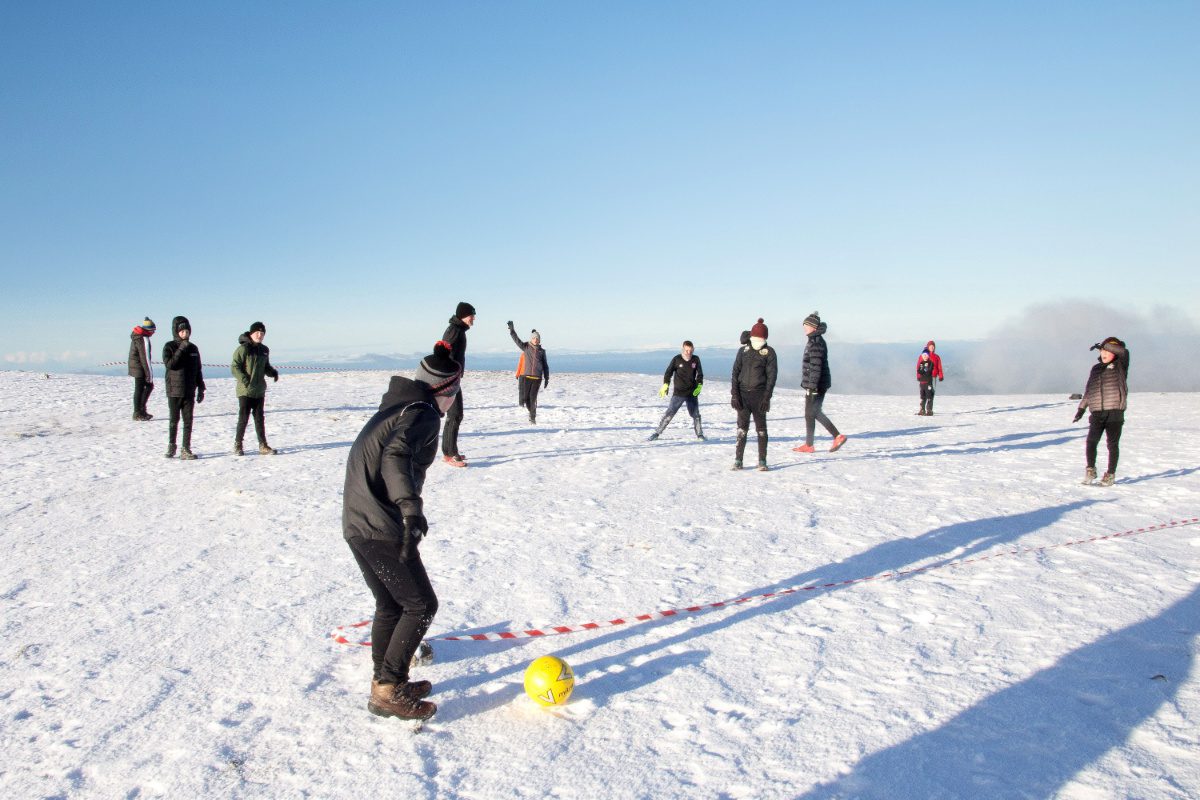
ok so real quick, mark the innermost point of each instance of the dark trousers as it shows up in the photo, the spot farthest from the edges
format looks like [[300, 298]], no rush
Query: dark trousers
[[1108, 423], [180, 407], [141, 393], [927, 397], [246, 407], [813, 414], [450, 431], [752, 405], [527, 393], [693, 407], [404, 606]]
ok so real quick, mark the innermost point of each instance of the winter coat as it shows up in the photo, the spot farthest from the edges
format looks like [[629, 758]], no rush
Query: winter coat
[[456, 337], [139, 355], [687, 374], [936, 360], [251, 366], [815, 371], [925, 370], [386, 468], [534, 364], [754, 372], [1107, 384], [182, 360]]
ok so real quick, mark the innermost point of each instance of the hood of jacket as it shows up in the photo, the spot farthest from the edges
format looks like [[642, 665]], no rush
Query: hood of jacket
[[403, 390], [820, 330], [458, 323], [177, 323]]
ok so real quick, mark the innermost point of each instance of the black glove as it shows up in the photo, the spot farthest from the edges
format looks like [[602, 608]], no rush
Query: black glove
[[510, 323], [545, 382], [415, 528], [736, 402], [199, 395], [275, 377], [1078, 415], [766, 405]]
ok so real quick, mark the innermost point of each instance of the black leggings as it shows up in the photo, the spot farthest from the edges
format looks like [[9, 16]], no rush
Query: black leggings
[[246, 407], [450, 431], [752, 406], [181, 407], [527, 394], [813, 414], [404, 606], [1108, 423]]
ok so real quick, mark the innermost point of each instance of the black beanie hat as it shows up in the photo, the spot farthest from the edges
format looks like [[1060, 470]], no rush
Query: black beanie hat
[[258, 326], [464, 309], [180, 323], [439, 370]]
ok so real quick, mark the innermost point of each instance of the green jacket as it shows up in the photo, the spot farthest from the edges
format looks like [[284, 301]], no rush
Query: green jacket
[[251, 366]]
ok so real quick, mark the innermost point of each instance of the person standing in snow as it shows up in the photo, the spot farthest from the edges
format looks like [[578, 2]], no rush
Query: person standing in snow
[[383, 522], [688, 375], [456, 337], [251, 366], [925, 382], [185, 385], [1107, 396], [755, 368], [936, 361], [140, 369], [535, 371], [815, 379]]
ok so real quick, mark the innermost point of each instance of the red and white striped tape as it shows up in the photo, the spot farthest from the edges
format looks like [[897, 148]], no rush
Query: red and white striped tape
[[339, 634], [279, 366]]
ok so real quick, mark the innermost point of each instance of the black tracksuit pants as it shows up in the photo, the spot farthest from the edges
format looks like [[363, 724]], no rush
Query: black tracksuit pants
[[180, 407], [405, 605], [141, 393], [1108, 424], [752, 405], [813, 414], [246, 407]]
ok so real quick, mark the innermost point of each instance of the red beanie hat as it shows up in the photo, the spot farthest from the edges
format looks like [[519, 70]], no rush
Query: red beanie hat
[[759, 330]]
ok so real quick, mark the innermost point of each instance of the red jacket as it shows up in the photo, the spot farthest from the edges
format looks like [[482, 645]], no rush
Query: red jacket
[[936, 359]]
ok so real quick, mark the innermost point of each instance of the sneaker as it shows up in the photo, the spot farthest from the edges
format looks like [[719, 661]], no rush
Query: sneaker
[[804, 448], [762, 466], [455, 461], [186, 455], [237, 449], [1089, 475], [170, 451], [265, 449], [653, 436], [737, 464], [838, 441], [387, 700], [1108, 479], [701, 437]]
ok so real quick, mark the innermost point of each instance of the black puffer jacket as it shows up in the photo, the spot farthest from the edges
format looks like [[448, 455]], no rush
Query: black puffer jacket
[[182, 359], [815, 374], [456, 337], [386, 468], [754, 372], [1107, 384], [139, 358]]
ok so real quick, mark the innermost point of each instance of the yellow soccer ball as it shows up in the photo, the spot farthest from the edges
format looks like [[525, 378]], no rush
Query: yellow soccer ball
[[549, 681]]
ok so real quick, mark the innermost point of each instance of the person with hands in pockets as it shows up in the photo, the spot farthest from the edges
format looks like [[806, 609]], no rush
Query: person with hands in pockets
[[688, 376], [383, 522]]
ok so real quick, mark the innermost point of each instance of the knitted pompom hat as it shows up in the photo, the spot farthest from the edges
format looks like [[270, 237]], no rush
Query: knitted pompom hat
[[439, 370], [758, 329], [148, 327]]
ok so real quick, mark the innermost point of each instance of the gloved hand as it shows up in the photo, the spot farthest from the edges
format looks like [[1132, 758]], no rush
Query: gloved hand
[[510, 324], [1078, 415], [545, 382], [275, 377], [200, 395], [415, 528], [941, 379], [765, 406], [663, 391], [696, 391], [736, 402]]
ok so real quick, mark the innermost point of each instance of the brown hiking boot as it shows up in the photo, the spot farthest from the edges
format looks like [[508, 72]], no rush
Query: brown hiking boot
[[415, 690], [265, 449], [389, 701]]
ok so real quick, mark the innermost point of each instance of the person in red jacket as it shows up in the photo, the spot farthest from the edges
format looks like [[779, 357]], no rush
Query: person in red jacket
[[931, 350]]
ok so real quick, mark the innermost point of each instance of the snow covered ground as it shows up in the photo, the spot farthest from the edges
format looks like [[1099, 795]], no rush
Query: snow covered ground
[[167, 624]]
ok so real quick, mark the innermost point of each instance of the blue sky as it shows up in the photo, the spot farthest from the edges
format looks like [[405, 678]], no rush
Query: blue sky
[[619, 175]]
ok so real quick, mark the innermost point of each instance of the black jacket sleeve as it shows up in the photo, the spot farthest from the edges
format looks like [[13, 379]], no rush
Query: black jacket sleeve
[[671, 369]]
